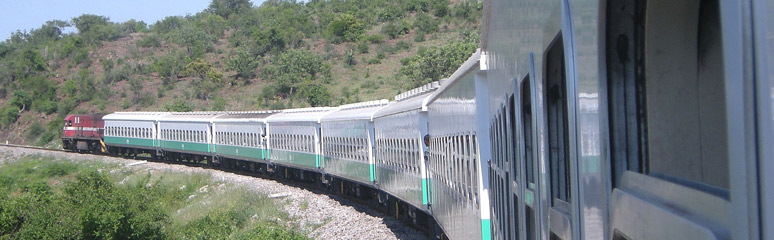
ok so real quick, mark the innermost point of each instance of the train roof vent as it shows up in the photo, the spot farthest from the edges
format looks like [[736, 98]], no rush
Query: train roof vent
[[250, 112], [140, 113], [203, 113], [419, 90], [364, 104], [312, 109]]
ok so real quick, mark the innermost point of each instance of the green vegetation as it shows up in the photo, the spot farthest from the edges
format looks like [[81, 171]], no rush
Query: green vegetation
[[47, 198], [230, 56]]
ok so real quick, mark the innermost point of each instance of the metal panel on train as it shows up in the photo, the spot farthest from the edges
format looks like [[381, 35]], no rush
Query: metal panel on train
[[294, 137], [241, 135], [458, 195], [188, 132], [132, 129], [401, 169], [348, 137]]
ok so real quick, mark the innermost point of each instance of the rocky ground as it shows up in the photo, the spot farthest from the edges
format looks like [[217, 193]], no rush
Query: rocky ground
[[321, 216]]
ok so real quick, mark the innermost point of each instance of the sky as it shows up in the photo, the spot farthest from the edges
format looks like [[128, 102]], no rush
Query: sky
[[28, 14]]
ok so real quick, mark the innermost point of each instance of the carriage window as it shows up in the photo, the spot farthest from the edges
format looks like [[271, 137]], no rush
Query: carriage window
[[526, 121], [556, 122], [669, 118]]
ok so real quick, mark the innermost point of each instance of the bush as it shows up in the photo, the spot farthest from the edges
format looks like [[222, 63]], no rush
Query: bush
[[178, 106], [374, 38], [362, 47], [36, 129], [8, 115], [151, 40], [315, 94], [434, 63], [345, 27], [45, 106], [218, 104]]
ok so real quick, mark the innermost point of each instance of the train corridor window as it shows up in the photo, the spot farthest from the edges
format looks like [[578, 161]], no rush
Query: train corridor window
[[556, 122], [666, 91], [526, 121]]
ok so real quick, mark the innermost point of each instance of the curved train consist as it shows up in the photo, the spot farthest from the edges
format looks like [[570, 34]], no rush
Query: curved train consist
[[585, 119]]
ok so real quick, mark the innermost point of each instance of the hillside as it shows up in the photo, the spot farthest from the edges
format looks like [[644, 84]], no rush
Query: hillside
[[230, 56]]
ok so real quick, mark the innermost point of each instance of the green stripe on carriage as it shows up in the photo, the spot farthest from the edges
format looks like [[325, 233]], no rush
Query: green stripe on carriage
[[424, 191], [239, 151], [371, 167], [297, 158], [187, 146], [485, 229], [349, 169], [317, 161], [129, 141]]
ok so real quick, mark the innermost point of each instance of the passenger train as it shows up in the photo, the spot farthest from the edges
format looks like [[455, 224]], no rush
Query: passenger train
[[583, 119]]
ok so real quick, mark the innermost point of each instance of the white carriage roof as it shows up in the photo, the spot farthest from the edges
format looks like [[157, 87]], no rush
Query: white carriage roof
[[356, 111], [404, 105], [301, 114], [250, 116], [190, 116], [134, 116], [472, 64]]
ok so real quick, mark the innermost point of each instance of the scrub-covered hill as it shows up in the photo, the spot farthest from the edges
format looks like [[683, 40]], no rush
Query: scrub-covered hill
[[230, 56]]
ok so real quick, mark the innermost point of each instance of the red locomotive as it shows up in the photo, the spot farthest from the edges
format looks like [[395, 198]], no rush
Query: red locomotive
[[83, 132]]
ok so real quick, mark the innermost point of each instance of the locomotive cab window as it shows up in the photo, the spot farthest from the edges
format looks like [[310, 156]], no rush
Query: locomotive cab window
[[667, 92]]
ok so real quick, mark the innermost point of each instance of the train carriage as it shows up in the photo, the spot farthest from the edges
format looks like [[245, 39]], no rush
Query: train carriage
[[401, 167], [634, 119], [187, 135], [241, 136], [348, 140], [459, 190], [132, 132], [294, 138]]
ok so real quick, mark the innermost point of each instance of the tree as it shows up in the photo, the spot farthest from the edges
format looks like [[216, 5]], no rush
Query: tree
[[226, 8], [434, 63], [293, 67], [243, 63], [178, 106], [94, 28], [345, 27], [29, 62], [315, 94], [208, 79]]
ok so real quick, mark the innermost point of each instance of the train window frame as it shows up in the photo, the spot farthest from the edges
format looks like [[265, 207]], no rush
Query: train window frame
[[697, 48], [556, 111]]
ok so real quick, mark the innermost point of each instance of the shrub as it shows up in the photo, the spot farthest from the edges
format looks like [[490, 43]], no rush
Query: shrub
[[34, 131], [315, 94], [346, 28], [151, 40], [178, 106], [8, 115], [362, 47], [430, 64]]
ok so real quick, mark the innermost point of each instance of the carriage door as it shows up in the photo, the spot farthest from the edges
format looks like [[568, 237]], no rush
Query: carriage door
[[678, 137]]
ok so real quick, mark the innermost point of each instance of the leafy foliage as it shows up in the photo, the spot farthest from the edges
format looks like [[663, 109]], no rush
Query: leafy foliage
[[243, 63], [226, 8], [345, 27], [434, 63], [178, 106], [315, 94]]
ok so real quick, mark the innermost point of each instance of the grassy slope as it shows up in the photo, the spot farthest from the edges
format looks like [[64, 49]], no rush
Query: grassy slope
[[44, 197]]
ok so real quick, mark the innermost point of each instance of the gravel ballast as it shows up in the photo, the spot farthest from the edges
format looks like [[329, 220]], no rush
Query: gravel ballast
[[319, 215]]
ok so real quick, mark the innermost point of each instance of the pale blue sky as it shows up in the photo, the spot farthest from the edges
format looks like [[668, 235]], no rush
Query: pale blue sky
[[28, 14]]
